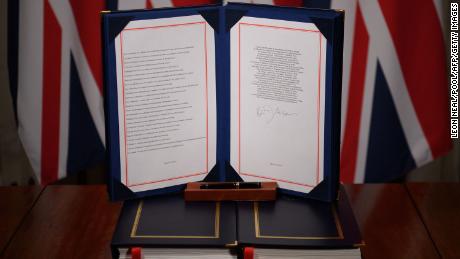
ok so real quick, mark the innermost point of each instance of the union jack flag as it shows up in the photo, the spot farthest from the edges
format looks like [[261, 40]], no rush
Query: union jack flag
[[394, 105], [56, 81]]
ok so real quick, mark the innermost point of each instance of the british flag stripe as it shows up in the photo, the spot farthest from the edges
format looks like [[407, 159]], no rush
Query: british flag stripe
[[349, 28], [64, 105], [355, 94], [30, 62], [51, 99], [366, 114], [140, 4], [159, 3], [132, 4], [438, 4]]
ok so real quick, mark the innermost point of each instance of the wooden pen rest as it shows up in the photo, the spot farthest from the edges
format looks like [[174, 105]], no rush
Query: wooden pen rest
[[193, 192]]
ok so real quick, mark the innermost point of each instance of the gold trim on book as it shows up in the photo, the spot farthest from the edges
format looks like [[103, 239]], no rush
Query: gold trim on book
[[234, 244], [361, 244], [138, 216], [259, 235]]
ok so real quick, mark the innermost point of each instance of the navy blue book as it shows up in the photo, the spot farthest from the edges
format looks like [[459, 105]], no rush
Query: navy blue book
[[168, 223], [238, 92], [169, 226]]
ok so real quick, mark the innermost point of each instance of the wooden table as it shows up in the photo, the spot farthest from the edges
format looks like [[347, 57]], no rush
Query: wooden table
[[15, 203], [389, 223], [67, 222], [439, 207], [396, 221]]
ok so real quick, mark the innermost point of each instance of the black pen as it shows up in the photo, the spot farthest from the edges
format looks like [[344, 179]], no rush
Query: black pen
[[232, 185]]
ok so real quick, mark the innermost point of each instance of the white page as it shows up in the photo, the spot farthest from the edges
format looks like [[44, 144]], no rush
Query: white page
[[166, 100], [277, 102]]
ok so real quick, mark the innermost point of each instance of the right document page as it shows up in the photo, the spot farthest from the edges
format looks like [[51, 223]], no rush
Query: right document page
[[277, 102]]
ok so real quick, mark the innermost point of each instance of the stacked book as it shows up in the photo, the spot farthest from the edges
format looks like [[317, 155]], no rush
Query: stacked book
[[169, 227]]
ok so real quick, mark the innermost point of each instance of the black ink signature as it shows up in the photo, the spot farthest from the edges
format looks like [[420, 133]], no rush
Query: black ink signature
[[270, 112]]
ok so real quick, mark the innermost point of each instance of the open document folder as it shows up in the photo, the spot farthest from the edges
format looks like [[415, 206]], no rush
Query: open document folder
[[227, 93]]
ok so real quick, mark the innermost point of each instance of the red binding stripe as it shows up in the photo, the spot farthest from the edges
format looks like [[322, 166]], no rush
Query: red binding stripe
[[148, 4], [248, 253], [136, 253], [51, 99]]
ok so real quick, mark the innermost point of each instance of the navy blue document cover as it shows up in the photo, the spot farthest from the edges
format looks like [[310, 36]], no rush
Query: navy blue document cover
[[220, 23], [294, 223], [289, 222], [169, 221]]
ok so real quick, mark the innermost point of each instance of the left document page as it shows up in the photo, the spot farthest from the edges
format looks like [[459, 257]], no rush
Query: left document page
[[166, 101]]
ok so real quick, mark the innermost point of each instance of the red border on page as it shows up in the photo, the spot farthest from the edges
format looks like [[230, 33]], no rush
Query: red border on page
[[124, 111], [317, 108]]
